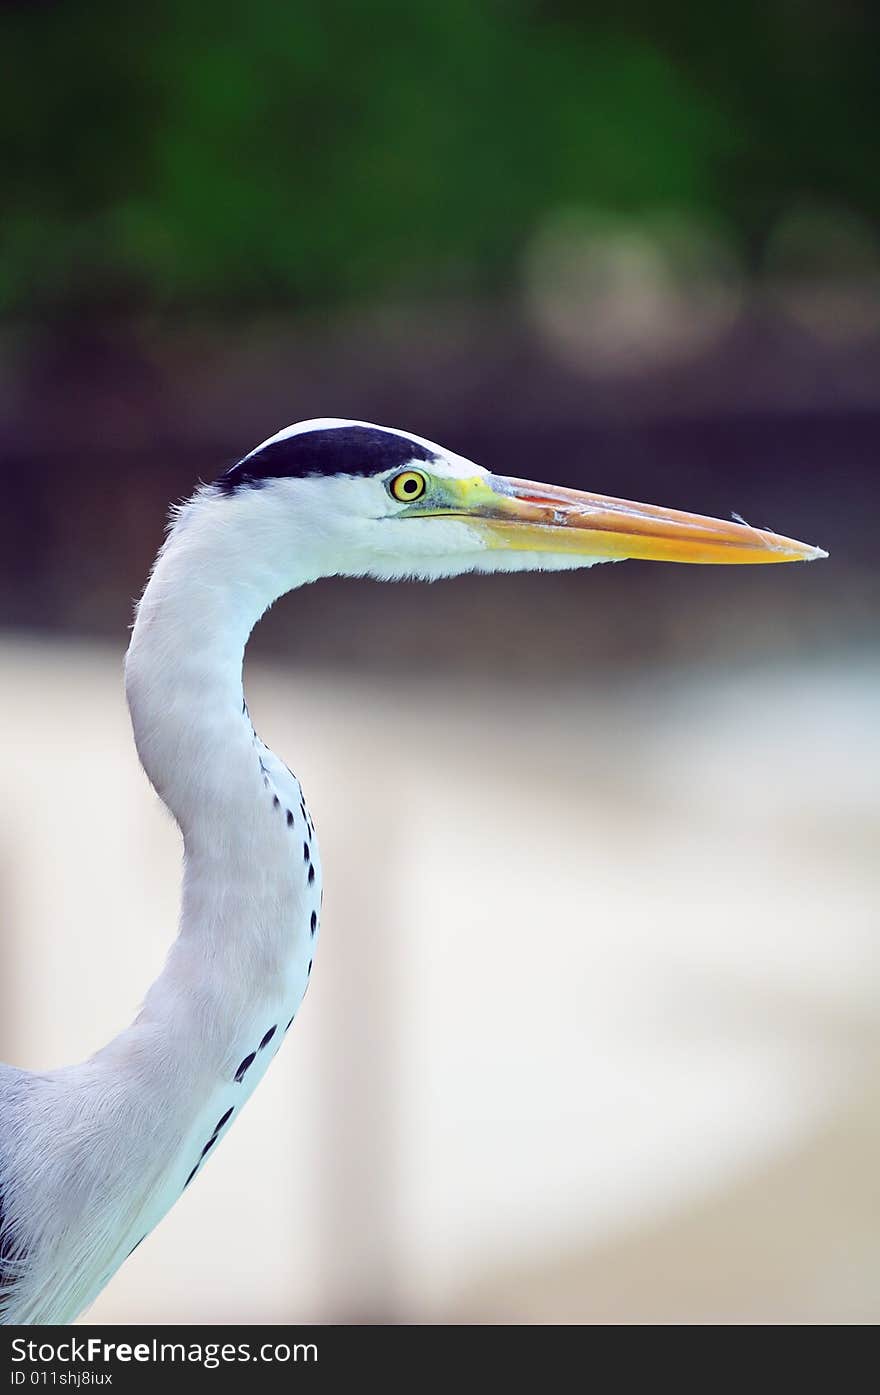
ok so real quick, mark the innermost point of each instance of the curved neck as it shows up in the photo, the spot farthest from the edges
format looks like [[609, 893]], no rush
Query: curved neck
[[183, 671], [163, 1090], [241, 888]]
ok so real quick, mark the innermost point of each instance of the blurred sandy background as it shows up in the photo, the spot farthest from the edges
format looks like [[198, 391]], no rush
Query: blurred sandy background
[[593, 1031]]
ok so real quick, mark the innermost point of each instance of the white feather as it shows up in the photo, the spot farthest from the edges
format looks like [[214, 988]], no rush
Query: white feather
[[93, 1155]]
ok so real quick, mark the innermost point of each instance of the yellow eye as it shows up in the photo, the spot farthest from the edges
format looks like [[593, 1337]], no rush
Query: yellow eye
[[408, 485]]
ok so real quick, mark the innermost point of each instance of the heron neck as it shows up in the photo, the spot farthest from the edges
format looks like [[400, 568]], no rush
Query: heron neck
[[237, 970], [184, 665]]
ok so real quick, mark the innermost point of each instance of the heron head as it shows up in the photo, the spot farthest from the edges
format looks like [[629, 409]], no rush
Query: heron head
[[367, 500]]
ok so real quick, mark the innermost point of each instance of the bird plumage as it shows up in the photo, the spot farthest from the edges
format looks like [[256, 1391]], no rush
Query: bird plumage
[[93, 1155]]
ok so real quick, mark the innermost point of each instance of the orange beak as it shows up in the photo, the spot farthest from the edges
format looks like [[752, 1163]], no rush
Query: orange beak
[[521, 515]]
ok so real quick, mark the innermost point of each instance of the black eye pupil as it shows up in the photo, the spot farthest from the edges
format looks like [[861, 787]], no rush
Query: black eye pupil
[[410, 486]]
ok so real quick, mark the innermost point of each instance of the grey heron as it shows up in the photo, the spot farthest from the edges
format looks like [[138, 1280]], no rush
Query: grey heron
[[93, 1155]]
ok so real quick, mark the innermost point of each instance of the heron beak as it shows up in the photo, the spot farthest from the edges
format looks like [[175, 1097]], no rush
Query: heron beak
[[527, 517]]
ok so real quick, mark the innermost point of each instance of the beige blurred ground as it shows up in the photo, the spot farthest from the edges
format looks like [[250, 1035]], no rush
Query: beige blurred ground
[[593, 1029]]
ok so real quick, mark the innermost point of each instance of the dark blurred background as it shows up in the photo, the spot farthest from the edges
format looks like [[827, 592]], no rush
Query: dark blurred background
[[617, 246], [625, 246]]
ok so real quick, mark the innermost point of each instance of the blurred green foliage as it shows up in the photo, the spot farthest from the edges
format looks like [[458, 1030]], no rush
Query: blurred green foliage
[[311, 151]]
